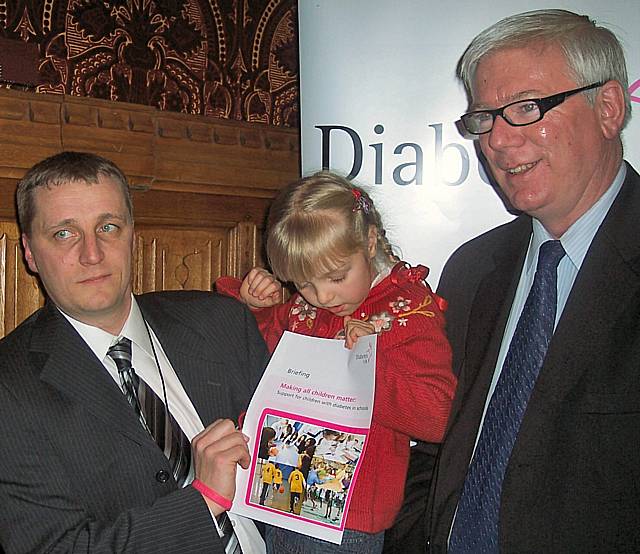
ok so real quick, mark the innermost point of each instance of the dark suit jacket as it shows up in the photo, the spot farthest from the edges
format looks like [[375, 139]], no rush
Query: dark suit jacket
[[573, 480], [77, 471]]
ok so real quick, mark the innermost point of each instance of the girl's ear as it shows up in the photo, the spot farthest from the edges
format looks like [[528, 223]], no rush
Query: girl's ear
[[372, 245]]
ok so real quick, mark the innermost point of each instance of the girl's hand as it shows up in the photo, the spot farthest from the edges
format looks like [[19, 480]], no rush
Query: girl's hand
[[354, 329], [260, 289]]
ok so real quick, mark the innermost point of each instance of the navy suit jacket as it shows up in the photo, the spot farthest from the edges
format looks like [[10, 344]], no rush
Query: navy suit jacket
[[573, 480], [78, 473]]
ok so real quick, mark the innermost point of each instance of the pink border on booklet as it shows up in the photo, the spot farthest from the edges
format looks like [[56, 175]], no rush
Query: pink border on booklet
[[319, 423]]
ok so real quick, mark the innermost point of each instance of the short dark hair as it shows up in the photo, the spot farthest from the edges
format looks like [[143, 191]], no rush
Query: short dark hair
[[66, 167]]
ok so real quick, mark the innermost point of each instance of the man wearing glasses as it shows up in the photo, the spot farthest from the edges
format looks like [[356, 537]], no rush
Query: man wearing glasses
[[541, 454]]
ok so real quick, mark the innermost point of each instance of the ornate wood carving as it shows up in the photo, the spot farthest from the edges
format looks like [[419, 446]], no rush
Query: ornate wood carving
[[231, 59]]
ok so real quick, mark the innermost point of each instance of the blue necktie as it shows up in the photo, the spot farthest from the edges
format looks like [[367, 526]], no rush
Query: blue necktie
[[475, 528]]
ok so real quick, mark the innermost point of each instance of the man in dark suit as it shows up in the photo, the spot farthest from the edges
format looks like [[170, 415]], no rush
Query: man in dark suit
[[541, 454], [78, 471]]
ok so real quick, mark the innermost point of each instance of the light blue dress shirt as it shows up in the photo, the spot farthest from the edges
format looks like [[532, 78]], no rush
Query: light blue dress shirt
[[575, 241]]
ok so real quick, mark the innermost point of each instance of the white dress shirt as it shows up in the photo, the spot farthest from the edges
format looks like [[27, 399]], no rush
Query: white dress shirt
[[180, 406]]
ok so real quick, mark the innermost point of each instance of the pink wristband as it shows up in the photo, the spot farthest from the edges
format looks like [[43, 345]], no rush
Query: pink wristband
[[211, 494]]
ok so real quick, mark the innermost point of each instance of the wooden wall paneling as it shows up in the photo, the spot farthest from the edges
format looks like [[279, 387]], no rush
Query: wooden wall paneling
[[234, 221], [245, 249], [19, 292], [8, 199], [201, 187], [178, 259], [196, 209], [29, 130], [238, 159], [123, 133]]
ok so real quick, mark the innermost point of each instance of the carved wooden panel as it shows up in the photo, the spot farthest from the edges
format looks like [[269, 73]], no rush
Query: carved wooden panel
[[200, 187], [178, 259], [29, 130], [19, 292], [182, 259], [245, 249]]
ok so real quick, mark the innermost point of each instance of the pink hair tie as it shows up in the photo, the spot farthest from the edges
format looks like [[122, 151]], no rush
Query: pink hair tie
[[211, 494]]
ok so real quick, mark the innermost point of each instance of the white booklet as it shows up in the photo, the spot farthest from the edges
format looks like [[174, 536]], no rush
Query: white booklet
[[308, 424]]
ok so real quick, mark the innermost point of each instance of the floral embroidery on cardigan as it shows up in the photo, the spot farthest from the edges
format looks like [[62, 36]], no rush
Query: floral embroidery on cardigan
[[305, 313], [401, 309], [381, 322], [400, 305]]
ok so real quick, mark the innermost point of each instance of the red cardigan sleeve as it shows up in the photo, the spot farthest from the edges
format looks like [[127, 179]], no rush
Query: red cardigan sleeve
[[272, 322], [414, 381]]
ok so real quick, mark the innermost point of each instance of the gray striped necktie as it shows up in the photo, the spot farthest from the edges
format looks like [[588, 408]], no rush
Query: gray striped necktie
[[165, 431], [152, 413], [229, 538]]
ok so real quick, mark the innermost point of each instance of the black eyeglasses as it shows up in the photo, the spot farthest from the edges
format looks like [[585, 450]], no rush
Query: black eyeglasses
[[518, 113]]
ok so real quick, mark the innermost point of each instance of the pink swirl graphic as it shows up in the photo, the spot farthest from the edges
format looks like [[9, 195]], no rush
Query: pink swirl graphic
[[635, 86]]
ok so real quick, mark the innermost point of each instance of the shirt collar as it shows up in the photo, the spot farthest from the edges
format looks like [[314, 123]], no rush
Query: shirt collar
[[99, 341], [135, 328], [578, 238]]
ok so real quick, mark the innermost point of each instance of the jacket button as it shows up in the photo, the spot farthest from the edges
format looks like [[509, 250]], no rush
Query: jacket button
[[162, 476]]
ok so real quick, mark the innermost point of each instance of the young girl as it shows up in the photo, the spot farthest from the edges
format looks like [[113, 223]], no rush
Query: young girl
[[325, 236]]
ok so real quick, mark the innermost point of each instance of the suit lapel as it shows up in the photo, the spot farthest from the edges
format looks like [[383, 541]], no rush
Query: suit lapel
[[490, 311], [191, 355], [593, 307], [66, 363], [485, 322], [584, 332], [579, 359], [613, 257]]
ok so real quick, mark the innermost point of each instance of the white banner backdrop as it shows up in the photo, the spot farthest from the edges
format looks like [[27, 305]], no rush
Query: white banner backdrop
[[379, 101]]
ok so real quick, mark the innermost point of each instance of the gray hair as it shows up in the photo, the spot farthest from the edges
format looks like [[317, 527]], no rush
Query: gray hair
[[66, 167], [593, 53]]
